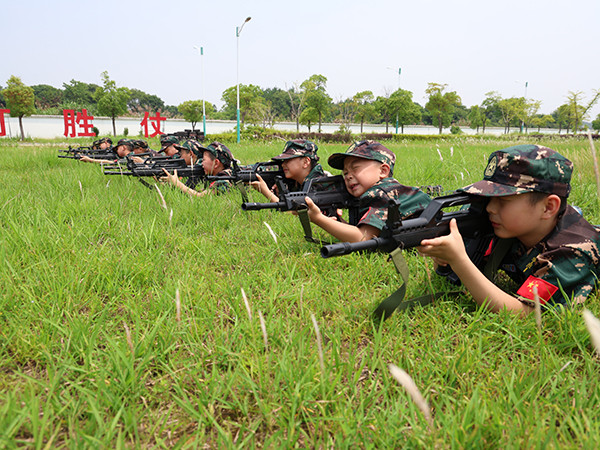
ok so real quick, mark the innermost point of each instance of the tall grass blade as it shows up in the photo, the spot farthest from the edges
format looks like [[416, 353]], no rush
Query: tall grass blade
[[407, 383], [593, 326]]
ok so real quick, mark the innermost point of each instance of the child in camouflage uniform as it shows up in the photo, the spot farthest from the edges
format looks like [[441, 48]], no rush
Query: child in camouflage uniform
[[367, 168], [552, 246], [299, 162], [168, 146], [123, 148], [216, 160]]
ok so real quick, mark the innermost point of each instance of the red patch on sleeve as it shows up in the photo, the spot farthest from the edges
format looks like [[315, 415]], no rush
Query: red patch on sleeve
[[545, 290], [488, 252], [365, 214]]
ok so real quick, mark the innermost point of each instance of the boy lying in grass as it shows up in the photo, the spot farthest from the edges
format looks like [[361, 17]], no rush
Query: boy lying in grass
[[552, 246], [367, 168]]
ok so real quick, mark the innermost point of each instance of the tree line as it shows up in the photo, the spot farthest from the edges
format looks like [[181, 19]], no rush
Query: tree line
[[306, 103]]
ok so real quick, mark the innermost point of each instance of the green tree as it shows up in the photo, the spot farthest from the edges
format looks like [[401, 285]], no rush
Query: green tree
[[317, 98], [2, 99], [596, 123], [112, 100], [192, 111], [511, 108], [490, 110], [475, 117], [20, 99], [140, 102], [251, 103], [79, 95], [47, 96], [405, 110], [540, 121], [383, 107], [309, 116], [297, 97], [441, 104], [578, 112], [530, 111], [561, 117], [279, 99], [365, 110]]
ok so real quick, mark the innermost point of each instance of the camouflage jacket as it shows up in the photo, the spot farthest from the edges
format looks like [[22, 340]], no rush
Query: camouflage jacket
[[373, 204], [568, 258], [221, 186], [315, 172]]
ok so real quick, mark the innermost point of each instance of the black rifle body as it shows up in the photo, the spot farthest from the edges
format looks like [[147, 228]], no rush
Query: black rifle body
[[328, 193], [432, 222]]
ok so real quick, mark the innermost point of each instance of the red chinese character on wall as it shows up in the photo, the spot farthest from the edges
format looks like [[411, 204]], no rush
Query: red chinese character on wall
[[82, 119], [69, 119], [85, 123], [155, 121], [2, 125]]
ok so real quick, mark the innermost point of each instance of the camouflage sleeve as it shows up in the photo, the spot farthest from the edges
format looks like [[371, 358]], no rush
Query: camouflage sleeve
[[220, 186], [571, 271], [376, 209]]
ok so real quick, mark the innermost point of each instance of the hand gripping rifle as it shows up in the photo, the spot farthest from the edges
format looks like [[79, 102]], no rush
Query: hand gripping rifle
[[328, 193]]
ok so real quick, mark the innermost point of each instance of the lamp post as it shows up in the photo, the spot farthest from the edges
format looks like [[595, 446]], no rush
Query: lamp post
[[238, 31], [201, 51]]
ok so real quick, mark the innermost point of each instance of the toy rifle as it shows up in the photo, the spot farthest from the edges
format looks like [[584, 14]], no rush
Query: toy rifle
[[92, 153], [328, 193], [473, 224], [269, 171], [431, 222], [153, 167]]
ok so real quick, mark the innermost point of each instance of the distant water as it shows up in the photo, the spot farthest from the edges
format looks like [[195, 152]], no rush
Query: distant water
[[53, 127]]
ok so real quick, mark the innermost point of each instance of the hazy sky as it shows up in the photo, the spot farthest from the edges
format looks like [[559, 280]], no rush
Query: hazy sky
[[473, 46]]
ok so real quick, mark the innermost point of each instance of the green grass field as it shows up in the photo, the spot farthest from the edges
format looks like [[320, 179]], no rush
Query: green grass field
[[94, 351]]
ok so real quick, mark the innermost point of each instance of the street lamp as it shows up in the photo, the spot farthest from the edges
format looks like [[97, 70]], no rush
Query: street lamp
[[399, 71], [201, 51], [238, 31]]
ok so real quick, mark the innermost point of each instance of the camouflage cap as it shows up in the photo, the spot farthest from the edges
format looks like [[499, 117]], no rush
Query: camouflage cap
[[102, 141], [372, 150], [127, 142], [221, 152], [167, 141], [191, 145], [524, 168], [138, 143], [298, 148]]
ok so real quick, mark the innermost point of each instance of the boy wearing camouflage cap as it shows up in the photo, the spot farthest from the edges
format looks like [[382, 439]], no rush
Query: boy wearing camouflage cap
[[549, 246], [168, 146], [102, 144], [123, 148], [216, 160], [368, 168], [299, 162]]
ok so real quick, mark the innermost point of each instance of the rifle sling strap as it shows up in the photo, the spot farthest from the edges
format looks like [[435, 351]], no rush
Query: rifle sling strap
[[243, 191], [305, 221], [396, 301]]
